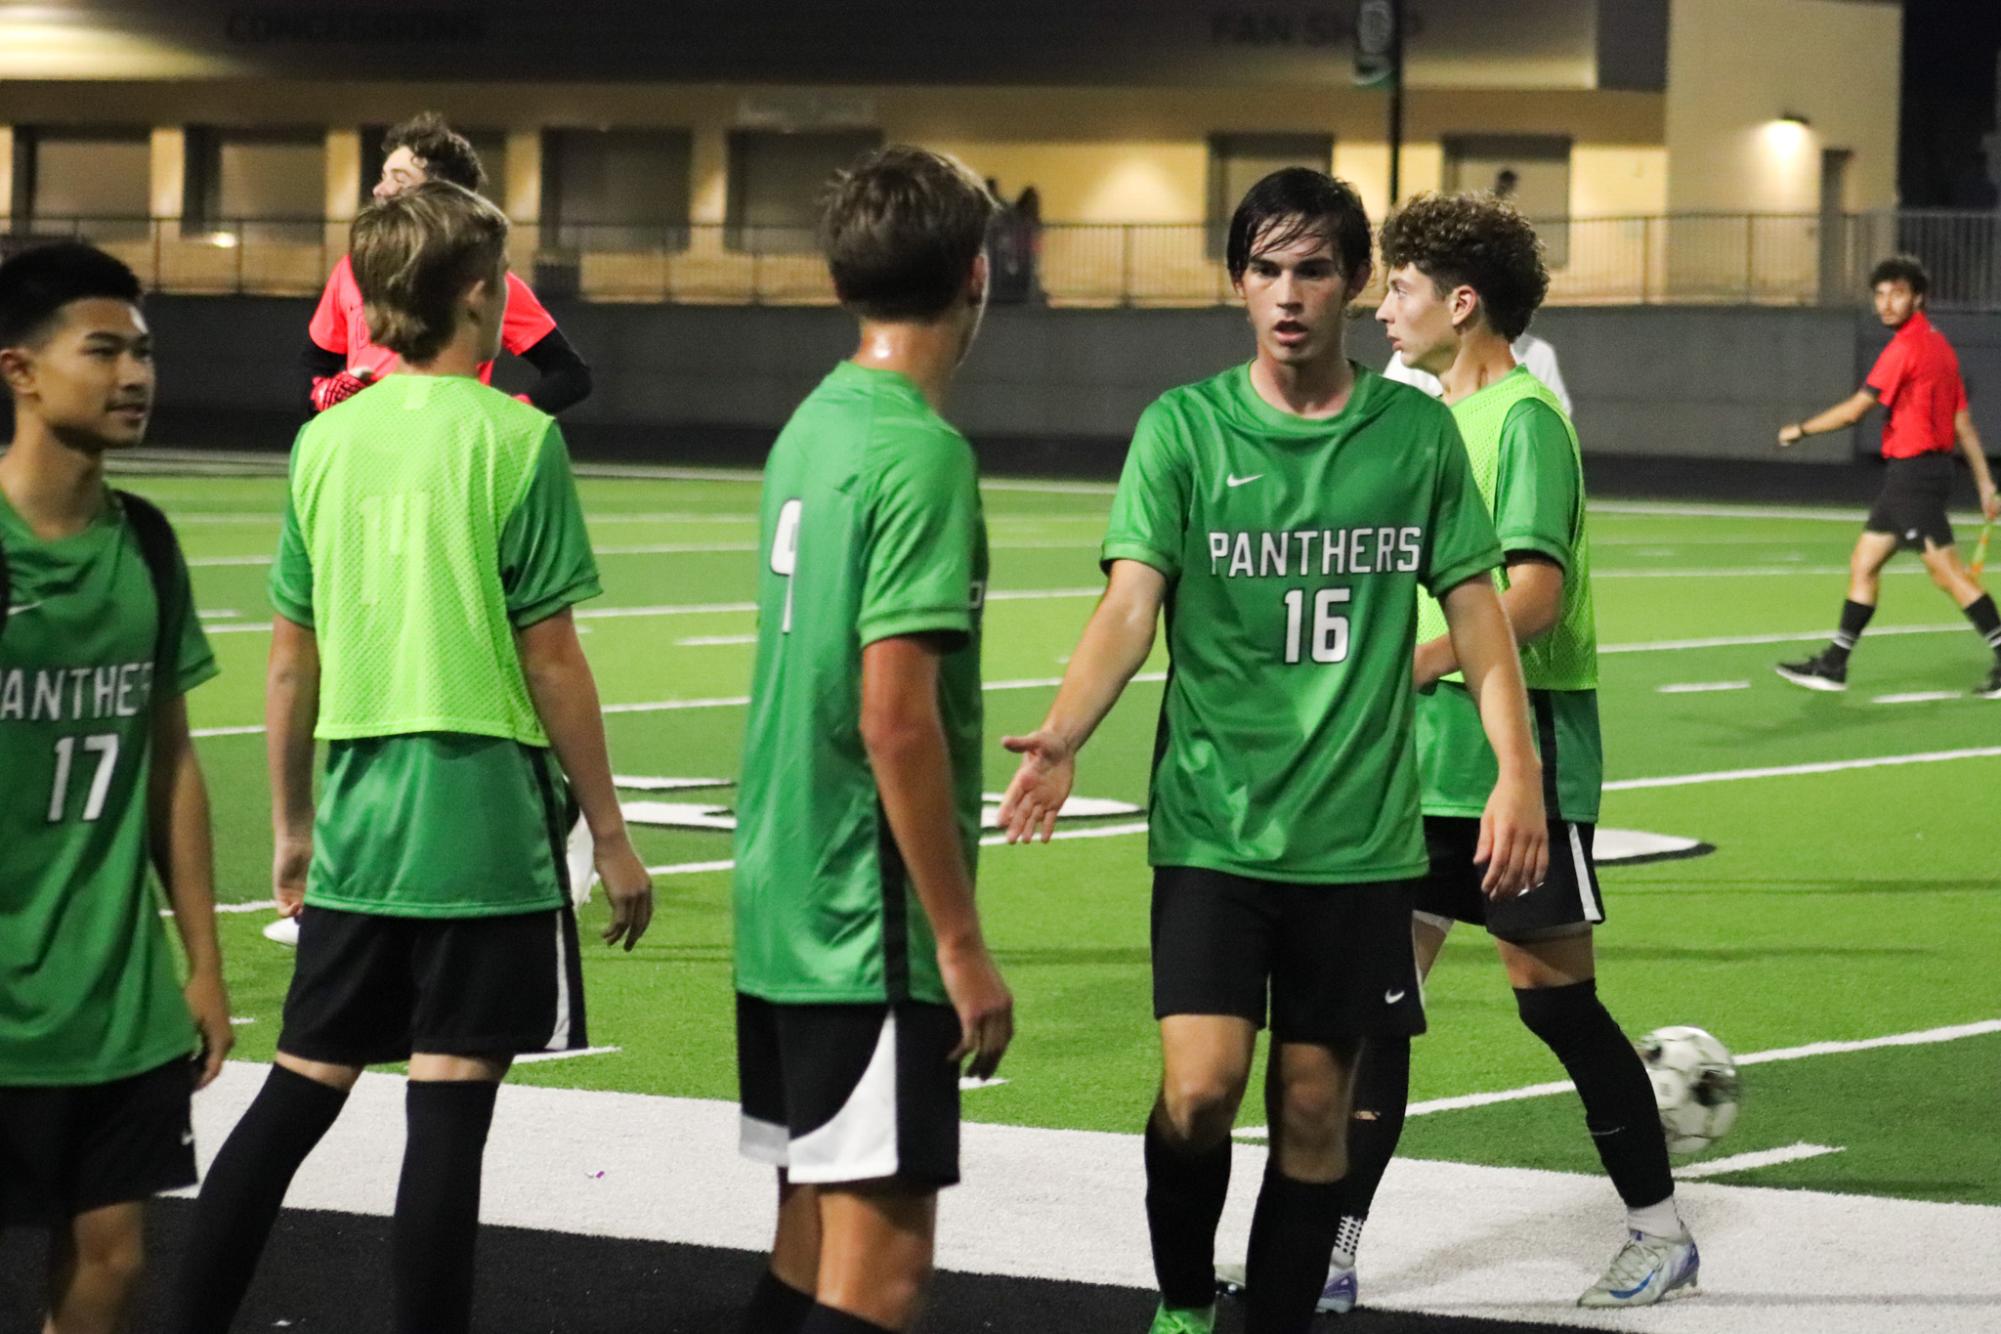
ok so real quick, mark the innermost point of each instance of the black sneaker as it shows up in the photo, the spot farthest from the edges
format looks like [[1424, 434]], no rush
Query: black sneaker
[[1991, 687], [1824, 672]]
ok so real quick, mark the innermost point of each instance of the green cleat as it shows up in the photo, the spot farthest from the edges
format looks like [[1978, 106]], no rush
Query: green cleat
[[1184, 1320]]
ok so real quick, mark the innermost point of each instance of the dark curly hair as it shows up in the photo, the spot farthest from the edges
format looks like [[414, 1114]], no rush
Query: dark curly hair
[[1477, 241], [1907, 269], [446, 154]]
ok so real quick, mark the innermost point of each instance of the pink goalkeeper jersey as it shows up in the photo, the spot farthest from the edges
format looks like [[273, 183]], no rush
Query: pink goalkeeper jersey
[[339, 327]]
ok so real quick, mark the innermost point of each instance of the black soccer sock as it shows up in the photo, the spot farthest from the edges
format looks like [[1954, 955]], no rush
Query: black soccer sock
[[1618, 1098], [240, 1198], [1986, 621], [1185, 1191], [436, 1226], [1854, 620], [826, 1320], [776, 1307], [1292, 1236], [1382, 1088]]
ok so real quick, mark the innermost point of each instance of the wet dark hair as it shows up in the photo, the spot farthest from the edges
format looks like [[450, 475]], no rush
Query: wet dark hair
[[901, 229], [1476, 240], [1908, 269], [1294, 202], [446, 154], [36, 284]]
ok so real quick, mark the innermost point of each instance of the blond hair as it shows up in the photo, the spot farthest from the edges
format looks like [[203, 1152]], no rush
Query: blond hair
[[414, 256]]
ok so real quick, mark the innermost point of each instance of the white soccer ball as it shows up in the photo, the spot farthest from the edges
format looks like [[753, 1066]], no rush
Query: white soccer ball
[[1695, 1086]]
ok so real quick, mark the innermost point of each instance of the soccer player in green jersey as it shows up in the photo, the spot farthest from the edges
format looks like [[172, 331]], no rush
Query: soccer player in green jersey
[[433, 546], [1284, 515], [99, 645], [863, 980], [1465, 276]]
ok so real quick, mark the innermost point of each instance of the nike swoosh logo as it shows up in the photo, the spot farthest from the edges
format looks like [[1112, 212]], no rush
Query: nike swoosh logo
[[13, 607], [1236, 481], [1392, 997]]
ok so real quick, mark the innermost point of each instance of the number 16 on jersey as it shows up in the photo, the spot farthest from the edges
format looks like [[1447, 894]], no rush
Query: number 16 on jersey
[[785, 553], [1328, 638]]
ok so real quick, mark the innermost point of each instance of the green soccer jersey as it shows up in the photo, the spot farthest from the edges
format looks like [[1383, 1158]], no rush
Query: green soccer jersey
[[1294, 550], [428, 520], [872, 529], [1526, 462], [88, 985]]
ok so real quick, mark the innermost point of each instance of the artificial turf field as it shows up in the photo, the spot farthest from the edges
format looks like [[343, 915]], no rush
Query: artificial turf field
[[1845, 899]]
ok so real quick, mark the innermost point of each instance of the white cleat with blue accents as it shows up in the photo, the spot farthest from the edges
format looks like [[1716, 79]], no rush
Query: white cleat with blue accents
[[1646, 1270]]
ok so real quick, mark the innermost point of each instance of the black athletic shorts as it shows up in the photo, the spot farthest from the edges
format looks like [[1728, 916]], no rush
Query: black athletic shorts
[[67, 1150], [369, 988], [841, 1093], [1328, 963], [1567, 898], [1912, 503]]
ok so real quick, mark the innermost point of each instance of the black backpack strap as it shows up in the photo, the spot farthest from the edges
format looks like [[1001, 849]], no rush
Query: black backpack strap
[[159, 548]]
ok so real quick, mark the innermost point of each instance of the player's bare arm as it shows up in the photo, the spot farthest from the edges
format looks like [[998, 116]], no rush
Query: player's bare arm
[[1116, 643], [1968, 437], [291, 709], [184, 857], [566, 700], [1514, 830], [905, 739], [1840, 417], [1533, 600]]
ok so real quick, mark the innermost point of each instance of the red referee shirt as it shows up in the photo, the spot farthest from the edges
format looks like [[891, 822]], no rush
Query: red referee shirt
[[339, 326], [1917, 380]]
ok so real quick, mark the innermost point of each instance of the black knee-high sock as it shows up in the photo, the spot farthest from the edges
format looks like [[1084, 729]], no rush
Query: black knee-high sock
[[436, 1226], [1292, 1234], [1618, 1098], [1185, 1190], [240, 1198], [1854, 620], [826, 1320], [1382, 1088], [1986, 621], [776, 1307]]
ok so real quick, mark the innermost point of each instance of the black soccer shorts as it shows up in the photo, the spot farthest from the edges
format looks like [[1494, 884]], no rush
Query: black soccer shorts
[[845, 1093], [1334, 961], [1568, 900], [369, 989], [1911, 505], [67, 1150]]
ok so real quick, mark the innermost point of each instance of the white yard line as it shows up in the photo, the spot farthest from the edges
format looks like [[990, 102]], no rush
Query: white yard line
[[1797, 637], [534, 1057], [1791, 770], [1922, 1037], [1702, 687], [1070, 1205], [1919, 697], [1747, 1162]]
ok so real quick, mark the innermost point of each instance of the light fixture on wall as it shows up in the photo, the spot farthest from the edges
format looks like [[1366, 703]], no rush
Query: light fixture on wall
[[1795, 118]]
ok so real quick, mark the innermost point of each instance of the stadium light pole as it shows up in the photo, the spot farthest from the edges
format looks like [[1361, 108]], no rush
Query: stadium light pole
[[1379, 62]]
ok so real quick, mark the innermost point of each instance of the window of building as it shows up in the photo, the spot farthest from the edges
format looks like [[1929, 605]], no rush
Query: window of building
[[491, 145], [1239, 161], [616, 189], [272, 183], [775, 182], [1532, 171], [93, 183]]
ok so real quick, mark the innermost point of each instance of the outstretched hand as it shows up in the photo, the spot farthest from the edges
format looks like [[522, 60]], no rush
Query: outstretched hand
[[1040, 786]]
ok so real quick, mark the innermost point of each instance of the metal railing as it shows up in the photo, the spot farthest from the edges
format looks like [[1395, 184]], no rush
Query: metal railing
[[1680, 258]]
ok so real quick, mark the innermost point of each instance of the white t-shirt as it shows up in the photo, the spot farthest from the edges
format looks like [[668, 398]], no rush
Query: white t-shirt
[[1529, 350]]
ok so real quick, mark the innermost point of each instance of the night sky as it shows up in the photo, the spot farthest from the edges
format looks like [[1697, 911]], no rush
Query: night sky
[[1950, 48]]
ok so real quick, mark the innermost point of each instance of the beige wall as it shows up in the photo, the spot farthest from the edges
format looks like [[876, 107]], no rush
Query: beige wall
[[6, 171], [1726, 91]]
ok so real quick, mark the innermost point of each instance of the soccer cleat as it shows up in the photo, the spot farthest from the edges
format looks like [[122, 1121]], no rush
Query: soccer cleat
[[1646, 1270], [1338, 1297], [1230, 1280], [1991, 687], [1820, 672], [285, 931], [1183, 1320]]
